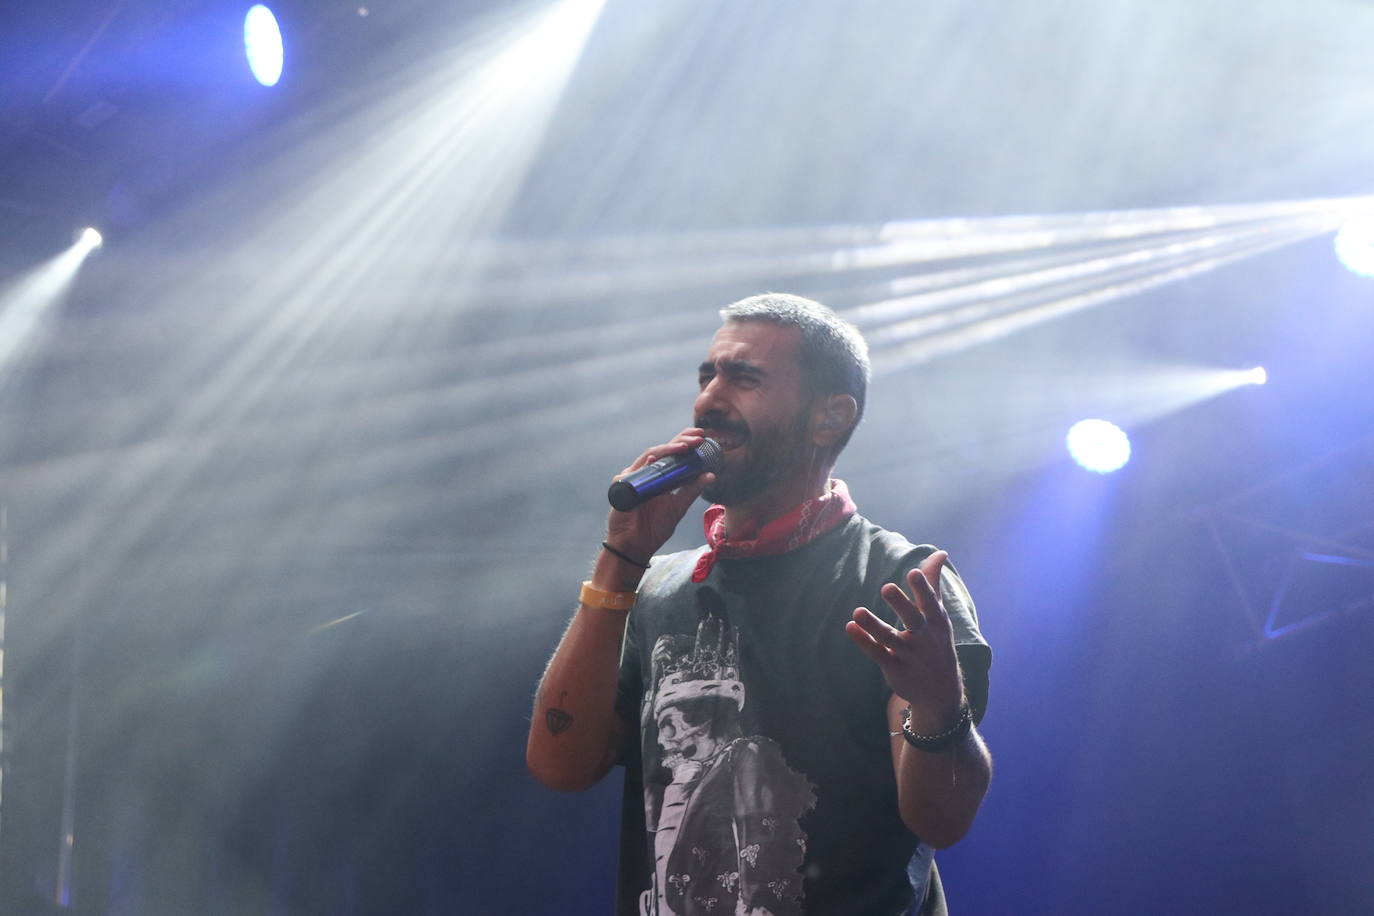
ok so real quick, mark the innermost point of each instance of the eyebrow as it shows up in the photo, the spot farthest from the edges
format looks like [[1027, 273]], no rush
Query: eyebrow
[[732, 367]]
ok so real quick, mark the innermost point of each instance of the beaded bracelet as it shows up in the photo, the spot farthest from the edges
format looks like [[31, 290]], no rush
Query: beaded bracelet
[[940, 740]]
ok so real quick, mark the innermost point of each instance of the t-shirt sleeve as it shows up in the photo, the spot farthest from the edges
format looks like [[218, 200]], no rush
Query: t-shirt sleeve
[[975, 656]]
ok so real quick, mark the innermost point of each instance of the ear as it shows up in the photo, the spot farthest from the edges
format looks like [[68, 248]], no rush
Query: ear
[[832, 417]]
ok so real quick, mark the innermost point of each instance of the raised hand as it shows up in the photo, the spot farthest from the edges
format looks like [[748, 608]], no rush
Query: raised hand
[[644, 529], [918, 662]]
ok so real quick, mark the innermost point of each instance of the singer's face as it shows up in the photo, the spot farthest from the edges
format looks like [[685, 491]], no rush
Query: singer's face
[[751, 402]]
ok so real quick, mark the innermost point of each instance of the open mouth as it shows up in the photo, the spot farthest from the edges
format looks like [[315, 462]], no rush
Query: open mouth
[[728, 441]]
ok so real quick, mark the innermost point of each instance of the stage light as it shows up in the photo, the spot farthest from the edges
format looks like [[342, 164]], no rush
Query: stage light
[[89, 239], [262, 43], [1098, 445], [1355, 246], [27, 303], [1256, 376]]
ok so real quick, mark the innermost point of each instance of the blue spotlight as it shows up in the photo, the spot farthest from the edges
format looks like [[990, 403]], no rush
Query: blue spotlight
[[263, 45], [1098, 445], [1355, 246]]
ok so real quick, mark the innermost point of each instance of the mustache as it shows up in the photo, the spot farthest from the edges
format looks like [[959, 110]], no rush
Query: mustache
[[720, 423]]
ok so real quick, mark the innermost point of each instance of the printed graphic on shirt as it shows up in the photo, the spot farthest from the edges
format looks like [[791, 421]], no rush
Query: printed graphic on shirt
[[722, 808]]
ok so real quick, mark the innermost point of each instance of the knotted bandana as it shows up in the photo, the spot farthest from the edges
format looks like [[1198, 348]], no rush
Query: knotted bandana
[[802, 525]]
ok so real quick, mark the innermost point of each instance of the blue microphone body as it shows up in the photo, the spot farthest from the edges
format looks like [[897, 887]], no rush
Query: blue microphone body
[[665, 474]]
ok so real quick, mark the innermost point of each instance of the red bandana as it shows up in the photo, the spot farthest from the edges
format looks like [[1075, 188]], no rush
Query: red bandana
[[802, 525]]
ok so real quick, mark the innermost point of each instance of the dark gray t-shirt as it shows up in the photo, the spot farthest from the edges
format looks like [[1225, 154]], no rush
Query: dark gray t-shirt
[[763, 769]]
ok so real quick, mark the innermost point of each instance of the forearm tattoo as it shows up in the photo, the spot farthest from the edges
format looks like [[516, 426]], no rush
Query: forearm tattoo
[[557, 719]]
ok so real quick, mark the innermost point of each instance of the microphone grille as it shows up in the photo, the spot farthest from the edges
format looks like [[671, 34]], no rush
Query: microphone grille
[[712, 455]]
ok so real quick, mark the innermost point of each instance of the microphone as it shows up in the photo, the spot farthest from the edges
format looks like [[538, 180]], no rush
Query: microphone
[[665, 474]]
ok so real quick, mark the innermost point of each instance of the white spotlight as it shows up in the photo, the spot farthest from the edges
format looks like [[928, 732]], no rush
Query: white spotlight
[[262, 42], [1098, 445], [1256, 376], [89, 239], [1355, 246]]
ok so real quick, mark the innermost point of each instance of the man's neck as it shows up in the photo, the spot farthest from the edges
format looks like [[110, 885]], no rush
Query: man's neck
[[747, 519]]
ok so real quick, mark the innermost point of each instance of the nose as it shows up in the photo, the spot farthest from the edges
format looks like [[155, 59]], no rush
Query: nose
[[709, 399]]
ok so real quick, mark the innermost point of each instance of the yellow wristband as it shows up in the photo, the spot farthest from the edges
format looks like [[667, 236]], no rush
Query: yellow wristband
[[611, 601]]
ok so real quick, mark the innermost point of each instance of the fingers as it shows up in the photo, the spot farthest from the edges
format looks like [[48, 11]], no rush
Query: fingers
[[684, 496], [930, 567], [689, 438], [921, 607], [863, 637], [877, 629], [907, 611], [878, 640], [925, 588]]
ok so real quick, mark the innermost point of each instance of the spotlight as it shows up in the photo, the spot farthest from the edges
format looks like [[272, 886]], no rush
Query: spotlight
[[1256, 376], [1098, 445], [263, 45], [89, 239], [1355, 246]]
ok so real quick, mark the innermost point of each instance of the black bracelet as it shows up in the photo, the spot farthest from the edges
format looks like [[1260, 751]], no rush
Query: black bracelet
[[623, 557], [940, 740]]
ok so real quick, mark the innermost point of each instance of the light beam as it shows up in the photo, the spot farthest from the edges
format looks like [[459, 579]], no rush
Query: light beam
[[436, 149], [27, 301]]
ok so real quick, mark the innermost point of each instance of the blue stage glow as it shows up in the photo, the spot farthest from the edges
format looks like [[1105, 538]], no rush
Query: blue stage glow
[[263, 45], [1098, 445], [1355, 246]]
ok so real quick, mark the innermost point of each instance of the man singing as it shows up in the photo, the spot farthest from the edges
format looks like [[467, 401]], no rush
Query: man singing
[[770, 768]]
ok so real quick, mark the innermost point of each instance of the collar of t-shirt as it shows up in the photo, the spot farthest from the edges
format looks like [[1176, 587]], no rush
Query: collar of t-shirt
[[802, 525]]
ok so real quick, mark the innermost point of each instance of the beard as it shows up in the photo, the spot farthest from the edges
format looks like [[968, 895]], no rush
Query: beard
[[775, 455]]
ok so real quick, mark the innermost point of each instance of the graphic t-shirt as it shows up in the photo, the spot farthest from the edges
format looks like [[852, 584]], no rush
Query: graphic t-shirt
[[762, 780]]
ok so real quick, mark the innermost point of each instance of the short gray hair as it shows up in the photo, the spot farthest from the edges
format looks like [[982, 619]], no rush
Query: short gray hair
[[833, 354]]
